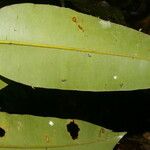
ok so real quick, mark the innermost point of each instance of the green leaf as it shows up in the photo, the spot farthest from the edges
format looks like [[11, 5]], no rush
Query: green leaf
[[32, 132], [2, 84], [53, 47]]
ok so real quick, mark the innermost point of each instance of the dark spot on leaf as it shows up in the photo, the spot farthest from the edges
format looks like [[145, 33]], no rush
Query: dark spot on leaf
[[74, 19], [102, 131], [133, 57], [63, 80], [14, 29], [2, 132], [73, 129], [89, 55], [80, 28], [121, 85]]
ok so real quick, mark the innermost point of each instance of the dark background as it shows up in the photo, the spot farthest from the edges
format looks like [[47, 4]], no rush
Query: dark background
[[120, 111]]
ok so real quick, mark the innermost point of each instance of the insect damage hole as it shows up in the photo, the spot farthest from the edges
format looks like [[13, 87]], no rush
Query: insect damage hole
[[73, 129], [2, 132]]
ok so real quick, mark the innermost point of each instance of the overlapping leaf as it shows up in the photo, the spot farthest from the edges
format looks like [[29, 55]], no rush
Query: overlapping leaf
[[53, 47], [31, 132], [2, 84]]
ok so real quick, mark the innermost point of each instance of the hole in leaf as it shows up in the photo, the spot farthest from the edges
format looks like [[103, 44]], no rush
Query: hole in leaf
[[2, 132], [73, 129]]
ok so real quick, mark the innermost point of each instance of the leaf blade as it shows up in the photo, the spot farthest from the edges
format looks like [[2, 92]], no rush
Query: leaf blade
[[32, 132], [76, 56]]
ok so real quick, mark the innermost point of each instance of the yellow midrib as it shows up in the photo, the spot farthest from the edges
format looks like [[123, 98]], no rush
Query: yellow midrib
[[61, 47]]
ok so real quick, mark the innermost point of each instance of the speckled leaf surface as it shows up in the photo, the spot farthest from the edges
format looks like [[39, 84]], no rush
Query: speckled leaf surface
[[32, 132], [52, 47]]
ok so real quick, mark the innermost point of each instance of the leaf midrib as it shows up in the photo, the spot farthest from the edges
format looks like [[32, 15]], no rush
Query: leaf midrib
[[61, 47]]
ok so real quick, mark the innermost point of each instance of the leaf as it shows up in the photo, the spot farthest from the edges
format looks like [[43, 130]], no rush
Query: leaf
[[32, 132], [53, 47], [2, 84]]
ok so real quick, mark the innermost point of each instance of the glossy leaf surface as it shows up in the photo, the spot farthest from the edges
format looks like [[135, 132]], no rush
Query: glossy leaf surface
[[52, 47], [31, 132]]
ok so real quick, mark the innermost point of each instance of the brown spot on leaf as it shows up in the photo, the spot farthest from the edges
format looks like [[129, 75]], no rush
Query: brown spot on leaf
[[46, 137], [80, 27], [74, 19], [102, 131]]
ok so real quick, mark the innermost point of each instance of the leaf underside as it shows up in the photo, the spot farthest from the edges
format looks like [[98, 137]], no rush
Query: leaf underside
[[53, 47]]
